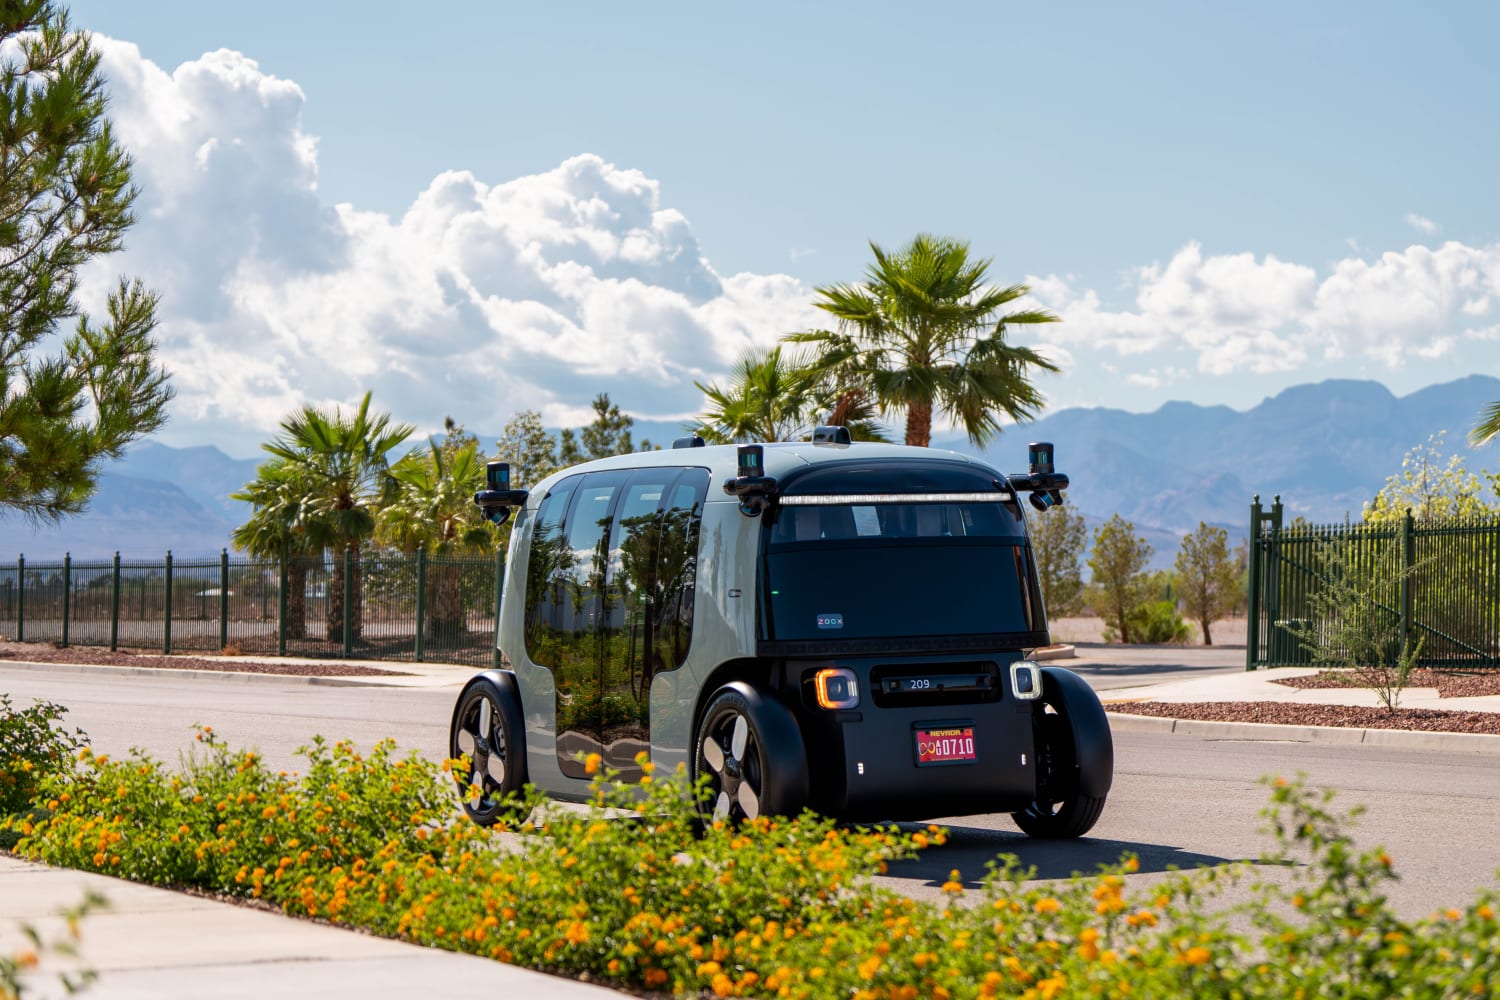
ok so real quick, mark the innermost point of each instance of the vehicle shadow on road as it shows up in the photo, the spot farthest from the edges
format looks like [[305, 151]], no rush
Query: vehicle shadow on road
[[970, 849]]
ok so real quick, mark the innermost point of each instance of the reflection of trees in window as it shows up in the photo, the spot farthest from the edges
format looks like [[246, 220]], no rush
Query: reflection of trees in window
[[676, 571], [549, 563]]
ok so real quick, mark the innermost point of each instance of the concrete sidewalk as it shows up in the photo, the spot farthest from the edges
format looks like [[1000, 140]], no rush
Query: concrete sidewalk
[[154, 944]]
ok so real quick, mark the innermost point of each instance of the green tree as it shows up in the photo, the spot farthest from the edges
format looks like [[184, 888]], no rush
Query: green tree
[[66, 402], [770, 397], [1207, 577], [283, 527], [1059, 539], [767, 399], [609, 433], [529, 448], [432, 509], [1432, 484], [1117, 562], [344, 460], [924, 331]]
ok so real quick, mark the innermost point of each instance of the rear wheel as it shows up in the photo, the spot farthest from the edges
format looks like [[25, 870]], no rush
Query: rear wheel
[[751, 751], [1060, 811], [486, 732]]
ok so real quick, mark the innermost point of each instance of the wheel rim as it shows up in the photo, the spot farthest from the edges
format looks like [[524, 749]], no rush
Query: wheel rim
[[731, 758], [481, 738]]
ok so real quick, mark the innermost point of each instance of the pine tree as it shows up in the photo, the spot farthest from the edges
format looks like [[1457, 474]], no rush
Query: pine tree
[[65, 199]]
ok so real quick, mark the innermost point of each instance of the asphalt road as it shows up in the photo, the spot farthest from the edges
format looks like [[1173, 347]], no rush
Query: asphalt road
[[1177, 800]]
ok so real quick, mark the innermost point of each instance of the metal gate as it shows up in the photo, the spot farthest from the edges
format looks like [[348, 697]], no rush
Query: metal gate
[[1444, 585]]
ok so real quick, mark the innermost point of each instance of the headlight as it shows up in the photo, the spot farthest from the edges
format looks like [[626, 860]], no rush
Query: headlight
[[836, 687], [1026, 680]]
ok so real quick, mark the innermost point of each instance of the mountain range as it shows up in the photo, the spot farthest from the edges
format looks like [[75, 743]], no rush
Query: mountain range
[[1326, 448]]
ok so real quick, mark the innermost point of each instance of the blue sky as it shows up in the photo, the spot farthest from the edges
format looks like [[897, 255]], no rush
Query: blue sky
[[1220, 200]]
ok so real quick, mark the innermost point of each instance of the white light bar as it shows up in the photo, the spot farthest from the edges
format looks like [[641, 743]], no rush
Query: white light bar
[[839, 499]]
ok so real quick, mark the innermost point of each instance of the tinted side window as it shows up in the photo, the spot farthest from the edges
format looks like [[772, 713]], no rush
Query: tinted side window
[[548, 565], [677, 569]]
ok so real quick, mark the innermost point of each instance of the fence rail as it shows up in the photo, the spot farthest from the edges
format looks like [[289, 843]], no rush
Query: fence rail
[[364, 606], [1443, 590]]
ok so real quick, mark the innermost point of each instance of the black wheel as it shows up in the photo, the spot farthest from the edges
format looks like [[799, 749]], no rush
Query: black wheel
[[487, 730], [1075, 757], [1061, 810], [751, 749]]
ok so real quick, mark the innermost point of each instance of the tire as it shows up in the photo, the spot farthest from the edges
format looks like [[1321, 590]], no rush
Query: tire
[[1075, 760], [750, 747], [488, 732]]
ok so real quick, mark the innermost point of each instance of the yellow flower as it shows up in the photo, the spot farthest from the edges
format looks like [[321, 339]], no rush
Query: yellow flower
[[1048, 905], [1196, 955], [591, 763]]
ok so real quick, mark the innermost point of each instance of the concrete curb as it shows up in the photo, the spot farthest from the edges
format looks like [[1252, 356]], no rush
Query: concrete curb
[[245, 676], [1325, 735]]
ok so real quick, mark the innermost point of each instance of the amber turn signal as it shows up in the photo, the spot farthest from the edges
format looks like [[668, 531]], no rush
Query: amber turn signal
[[836, 687]]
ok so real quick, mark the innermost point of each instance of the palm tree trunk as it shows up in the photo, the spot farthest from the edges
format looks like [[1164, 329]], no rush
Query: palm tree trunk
[[333, 604], [296, 599], [445, 616], [919, 424]]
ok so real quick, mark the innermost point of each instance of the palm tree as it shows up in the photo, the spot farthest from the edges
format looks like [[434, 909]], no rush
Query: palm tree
[[925, 331], [343, 461], [282, 528], [771, 397], [1488, 426], [433, 509], [766, 400]]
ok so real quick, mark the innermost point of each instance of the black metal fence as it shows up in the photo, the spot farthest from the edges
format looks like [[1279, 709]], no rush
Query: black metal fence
[[1442, 585], [364, 606]]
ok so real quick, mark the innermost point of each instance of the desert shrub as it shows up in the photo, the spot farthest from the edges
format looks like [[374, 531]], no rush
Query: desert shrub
[[33, 743], [1153, 621]]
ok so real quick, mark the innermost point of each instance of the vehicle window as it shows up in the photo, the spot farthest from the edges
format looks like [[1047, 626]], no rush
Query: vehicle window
[[889, 570], [547, 567], [677, 569], [628, 615]]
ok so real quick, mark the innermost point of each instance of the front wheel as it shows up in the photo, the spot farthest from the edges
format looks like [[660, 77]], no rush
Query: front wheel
[[750, 749], [487, 732], [1075, 759], [1060, 811]]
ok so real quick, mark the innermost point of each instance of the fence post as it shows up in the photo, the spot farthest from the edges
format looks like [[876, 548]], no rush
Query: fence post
[[499, 593], [21, 598], [281, 611], [114, 606], [348, 602], [166, 633], [223, 598], [1252, 636], [67, 595], [1408, 563], [421, 650]]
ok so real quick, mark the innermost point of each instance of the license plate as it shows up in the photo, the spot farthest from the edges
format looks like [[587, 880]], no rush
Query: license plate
[[945, 745]]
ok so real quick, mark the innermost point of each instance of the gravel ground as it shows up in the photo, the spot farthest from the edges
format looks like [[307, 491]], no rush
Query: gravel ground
[[1448, 683], [39, 652], [1430, 720]]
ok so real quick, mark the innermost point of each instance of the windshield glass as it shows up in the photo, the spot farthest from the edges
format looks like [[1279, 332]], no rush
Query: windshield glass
[[885, 570]]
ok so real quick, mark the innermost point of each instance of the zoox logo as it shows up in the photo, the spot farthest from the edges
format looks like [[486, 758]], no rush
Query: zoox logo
[[830, 619]]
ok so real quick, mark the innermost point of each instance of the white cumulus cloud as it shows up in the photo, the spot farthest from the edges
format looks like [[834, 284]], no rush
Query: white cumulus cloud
[[481, 299], [1235, 314]]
